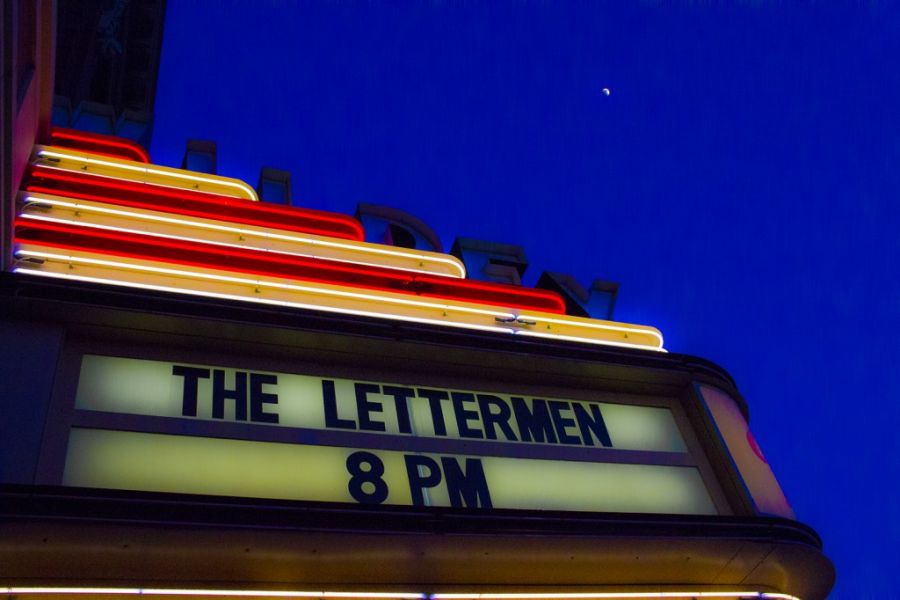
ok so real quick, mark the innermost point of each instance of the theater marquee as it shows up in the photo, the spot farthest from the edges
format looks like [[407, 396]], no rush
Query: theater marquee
[[178, 427]]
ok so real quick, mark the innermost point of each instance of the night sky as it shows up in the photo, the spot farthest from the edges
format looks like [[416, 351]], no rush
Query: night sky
[[741, 182]]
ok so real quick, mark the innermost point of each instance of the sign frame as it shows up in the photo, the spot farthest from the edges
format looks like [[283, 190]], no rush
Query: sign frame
[[357, 366]]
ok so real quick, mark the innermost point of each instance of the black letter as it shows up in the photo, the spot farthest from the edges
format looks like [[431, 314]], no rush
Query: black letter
[[434, 403], [587, 424], [419, 481], [238, 394], [463, 416], [400, 394], [189, 391], [561, 422], [533, 425], [501, 417], [364, 406], [377, 490], [330, 401], [258, 397], [466, 489]]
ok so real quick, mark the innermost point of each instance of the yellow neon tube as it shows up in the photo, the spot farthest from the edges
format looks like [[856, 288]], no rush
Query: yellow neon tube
[[66, 159], [117, 218], [144, 274], [572, 328]]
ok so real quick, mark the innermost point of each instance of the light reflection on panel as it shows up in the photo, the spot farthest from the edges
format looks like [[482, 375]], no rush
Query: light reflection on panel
[[755, 471], [193, 465]]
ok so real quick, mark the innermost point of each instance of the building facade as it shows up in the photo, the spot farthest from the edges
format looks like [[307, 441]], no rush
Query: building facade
[[212, 395]]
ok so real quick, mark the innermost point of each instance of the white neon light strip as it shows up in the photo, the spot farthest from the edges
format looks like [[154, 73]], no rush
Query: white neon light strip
[[347, 311], [305, 305], [441, 306], [359, 247], [390, 595], [150, 170], [261, 300], [266, 283], [326, 308]]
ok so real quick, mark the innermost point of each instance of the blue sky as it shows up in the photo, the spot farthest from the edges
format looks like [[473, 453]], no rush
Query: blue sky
[[740, 182]]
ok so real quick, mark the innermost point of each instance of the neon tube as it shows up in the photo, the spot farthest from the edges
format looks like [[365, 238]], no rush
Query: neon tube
[[344, 300], [399, 316], [449, 319], [110, 591], [95, 143], [256, 262], [99, 214], [557, 328], [137, 591], [74, 160], [611, 595], [48, 180], [341, 292]]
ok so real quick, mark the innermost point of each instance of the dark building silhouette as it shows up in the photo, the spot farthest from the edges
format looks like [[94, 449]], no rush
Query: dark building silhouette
[[107, 64]]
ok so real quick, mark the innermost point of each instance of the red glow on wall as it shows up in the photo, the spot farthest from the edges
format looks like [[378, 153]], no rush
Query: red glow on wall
[[95, 143], [751, 441]]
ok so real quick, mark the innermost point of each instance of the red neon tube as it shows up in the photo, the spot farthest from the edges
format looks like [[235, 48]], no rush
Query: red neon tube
[[259, 262], [192, 203], [95, 143]]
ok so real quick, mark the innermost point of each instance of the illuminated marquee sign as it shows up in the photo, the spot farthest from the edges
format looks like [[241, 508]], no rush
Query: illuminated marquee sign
[[86, 213], [187, 428]]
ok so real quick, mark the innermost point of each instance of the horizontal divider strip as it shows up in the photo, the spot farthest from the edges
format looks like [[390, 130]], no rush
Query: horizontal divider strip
[[373, 441]]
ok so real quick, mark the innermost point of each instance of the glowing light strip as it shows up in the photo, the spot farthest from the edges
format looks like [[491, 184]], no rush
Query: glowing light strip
[[160, 288], [517, 320], [96, 140], [256, 282], [137, 591], [210, 592], [47, 219], [592, 324], [610, 595], [247, 192], [193, 202], [457, 270], [193, 254], [449, 311], [576, 338]]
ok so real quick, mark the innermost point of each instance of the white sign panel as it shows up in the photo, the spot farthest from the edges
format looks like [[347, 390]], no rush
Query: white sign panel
[[152, 426]]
